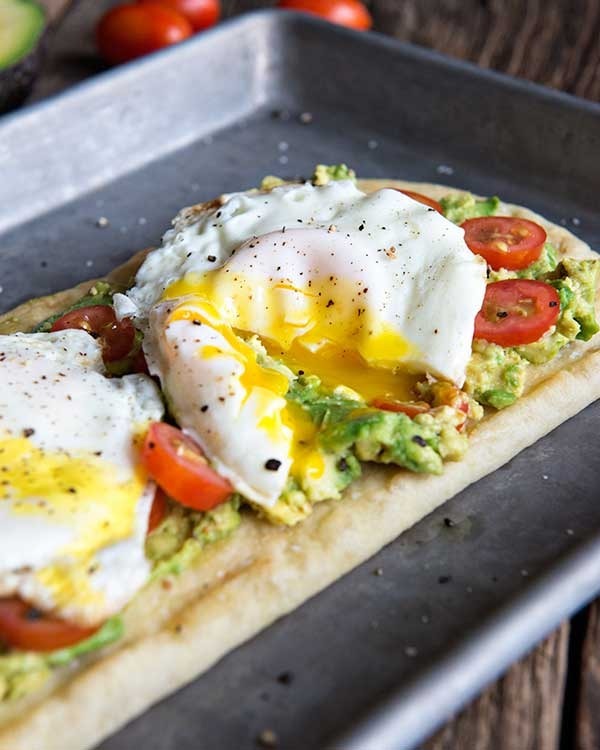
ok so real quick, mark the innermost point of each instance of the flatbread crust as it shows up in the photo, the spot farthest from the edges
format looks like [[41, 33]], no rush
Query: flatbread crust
[[179, 628]]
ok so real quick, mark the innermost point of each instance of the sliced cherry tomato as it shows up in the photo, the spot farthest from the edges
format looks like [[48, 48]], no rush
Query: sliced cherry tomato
[[139, 363], [424, 199], [351, 13], [447, 394], [178, 465], [135, 29], [24, 627], [516, 312], [117, 337], [158, 510], [200, 13], [410, 408], [505, 241]]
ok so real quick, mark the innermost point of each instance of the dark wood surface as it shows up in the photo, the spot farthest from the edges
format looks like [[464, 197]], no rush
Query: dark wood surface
[[550, 700]]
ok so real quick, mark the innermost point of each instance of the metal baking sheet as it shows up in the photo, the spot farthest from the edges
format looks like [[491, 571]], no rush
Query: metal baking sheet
[[375, 661]]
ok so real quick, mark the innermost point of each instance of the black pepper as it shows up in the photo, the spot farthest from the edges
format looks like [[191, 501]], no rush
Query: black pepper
[[272, 464]]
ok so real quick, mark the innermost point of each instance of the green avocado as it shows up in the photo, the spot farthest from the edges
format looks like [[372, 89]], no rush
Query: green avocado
[[324, 174], [460, 207], [184, 534], [22, 672], [270, 181], [22, 26], [350, 432], [495, 374], [577, 291], [100, 294]]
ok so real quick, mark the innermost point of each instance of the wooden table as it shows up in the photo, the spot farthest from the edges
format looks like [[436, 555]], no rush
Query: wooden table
[[550, 699]]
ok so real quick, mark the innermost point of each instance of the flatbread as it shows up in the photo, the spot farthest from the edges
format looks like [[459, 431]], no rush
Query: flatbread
[[177, 629]]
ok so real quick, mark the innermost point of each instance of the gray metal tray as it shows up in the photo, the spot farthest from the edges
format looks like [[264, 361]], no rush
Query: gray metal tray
[[399, 652]]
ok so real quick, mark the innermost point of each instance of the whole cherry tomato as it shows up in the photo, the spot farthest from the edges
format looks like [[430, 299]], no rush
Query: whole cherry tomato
[[135, 29], [351, 13], [202, 14]]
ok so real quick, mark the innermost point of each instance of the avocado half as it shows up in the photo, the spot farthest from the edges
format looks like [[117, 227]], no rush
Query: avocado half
[[22, 25]]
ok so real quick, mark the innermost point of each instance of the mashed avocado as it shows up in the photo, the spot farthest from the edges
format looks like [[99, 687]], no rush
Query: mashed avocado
[[22, 672], [495, 374], [171, 547], [324, 174], [458, 208], [185, 533], [100, 294], [350, 432], [577, 290], [270, 181], [543, 266]]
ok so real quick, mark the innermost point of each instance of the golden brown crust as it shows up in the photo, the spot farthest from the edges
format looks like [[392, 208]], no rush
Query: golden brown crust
[[244, 583]]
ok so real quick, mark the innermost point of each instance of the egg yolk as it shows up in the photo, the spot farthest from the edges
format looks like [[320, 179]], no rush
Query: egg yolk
[[325, 329], [73, 491]]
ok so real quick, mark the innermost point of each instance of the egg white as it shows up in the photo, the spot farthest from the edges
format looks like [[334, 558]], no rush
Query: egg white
[[364, 288], [74, 504]]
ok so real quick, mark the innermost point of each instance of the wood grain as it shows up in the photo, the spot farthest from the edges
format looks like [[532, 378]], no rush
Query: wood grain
[[55, 9], [521, 711], [587, 716], [553, 42]]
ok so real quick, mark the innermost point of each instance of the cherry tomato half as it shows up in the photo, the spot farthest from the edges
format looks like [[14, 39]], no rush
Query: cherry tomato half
[[505, 241], [410, 408], [132, 30], [424, 199], [517, 312], [158, 510], [351, 13], [179, 467], [202, 14], [117, 337], [24, 627]]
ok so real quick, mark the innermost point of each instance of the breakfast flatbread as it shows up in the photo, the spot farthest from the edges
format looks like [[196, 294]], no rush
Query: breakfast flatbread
[[177, 626]]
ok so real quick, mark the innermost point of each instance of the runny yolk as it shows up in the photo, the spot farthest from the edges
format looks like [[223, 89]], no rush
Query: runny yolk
[[73, 492], [322, 329], [319, 330]]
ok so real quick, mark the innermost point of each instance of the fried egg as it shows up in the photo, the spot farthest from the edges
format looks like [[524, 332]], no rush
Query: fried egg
[[74, 502], [369, 292]]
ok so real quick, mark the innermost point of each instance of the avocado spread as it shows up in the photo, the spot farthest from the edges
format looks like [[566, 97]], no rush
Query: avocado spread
[[100, 294], [459, 208], [496, 375], [348, 431], [21, 672], [324, 174], [345, 431]]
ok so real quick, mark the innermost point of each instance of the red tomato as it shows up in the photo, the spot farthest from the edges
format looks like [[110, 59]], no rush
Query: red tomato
[[505, 241], [351, 13], [423, 199], [139, 363], [410, 408], [516, 312], [179, 467], [200, 13], [132, 30], [446, 394], [158, 510], [117, 337], [24, 627]]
